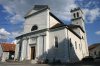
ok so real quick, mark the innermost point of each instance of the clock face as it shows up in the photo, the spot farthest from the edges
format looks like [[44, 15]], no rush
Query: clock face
[[34, 27]]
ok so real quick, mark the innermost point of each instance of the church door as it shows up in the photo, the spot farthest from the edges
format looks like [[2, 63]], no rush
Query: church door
[[33, 52]]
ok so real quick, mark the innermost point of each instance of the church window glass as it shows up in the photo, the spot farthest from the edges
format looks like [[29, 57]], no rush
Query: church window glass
[[94, 52], [74, 15], [82, 37], [75, 44], [70, 43], [35, 27], [56, 42], [77, 14]]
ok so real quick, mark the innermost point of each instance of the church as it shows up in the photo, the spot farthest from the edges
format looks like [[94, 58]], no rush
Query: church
[[46, 38]]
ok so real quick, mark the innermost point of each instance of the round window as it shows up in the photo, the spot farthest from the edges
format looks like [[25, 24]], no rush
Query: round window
[[35, 27]]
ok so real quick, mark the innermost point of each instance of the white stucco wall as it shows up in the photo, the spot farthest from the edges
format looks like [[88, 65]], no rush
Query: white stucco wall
[[52, 21], [23, 51], [16, 52], [60, 52], [77, 53], [83, 41], [39, 19], [5, 56]]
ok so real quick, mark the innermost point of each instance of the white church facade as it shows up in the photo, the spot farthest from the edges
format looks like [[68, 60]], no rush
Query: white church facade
[[45, 37]]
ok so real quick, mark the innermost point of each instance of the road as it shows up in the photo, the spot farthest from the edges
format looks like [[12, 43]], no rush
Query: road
[[29, 64]]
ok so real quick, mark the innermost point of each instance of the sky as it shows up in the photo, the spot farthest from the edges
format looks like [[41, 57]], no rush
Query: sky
[[12, 16]]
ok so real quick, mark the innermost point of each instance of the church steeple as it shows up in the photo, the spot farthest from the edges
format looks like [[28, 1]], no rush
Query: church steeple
[[77, 17]]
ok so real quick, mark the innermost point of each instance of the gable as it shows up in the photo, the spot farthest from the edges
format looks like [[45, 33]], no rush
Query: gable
[[36, 9], [40, 20], [53, 21]]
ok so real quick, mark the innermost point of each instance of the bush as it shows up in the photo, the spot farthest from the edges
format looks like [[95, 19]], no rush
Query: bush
[[97, 58], [46, 61], [58, 62], [88, 58]]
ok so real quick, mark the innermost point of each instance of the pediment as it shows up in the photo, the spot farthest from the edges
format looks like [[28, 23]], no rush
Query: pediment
[[36, 8]]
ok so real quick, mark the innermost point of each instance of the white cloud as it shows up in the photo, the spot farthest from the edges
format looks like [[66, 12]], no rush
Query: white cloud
[[14, 42], [98, 32], [15, 34], [8, 9], [3, 31], [91, 15], [3, 34], [16, 19], [61, 8], [13, 18]]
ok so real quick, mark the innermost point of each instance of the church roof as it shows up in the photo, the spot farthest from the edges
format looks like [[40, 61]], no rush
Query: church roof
[[39, 7], [75, 26], [76, 9]]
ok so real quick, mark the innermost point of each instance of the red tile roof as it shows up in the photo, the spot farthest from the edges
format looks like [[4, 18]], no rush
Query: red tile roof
[[94, 46], [6, 47]]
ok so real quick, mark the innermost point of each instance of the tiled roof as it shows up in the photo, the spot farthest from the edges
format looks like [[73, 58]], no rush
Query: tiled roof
[[94, 46], [6, 47]]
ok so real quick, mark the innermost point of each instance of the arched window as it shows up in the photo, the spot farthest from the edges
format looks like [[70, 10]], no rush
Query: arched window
[[82, 37], [80, 46], [74, 15], [75, 44], [56, 42], [35, 27], [70, 42], [77, 14]]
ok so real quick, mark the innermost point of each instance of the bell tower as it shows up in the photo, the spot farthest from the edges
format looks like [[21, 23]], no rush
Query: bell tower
[[77, 20], [77, 17]]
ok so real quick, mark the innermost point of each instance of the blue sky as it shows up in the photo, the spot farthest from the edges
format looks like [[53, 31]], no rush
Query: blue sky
[[13, 11]]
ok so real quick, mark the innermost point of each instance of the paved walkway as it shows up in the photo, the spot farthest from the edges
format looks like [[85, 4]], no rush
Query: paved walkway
[[30, 64]]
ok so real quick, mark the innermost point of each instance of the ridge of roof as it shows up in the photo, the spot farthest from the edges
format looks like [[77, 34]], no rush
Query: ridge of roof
[[56, 18], [37, 8], [75, 26]]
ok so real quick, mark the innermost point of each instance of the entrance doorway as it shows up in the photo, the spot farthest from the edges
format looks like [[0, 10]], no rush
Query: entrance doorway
[[33, 53], [11, 55]]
